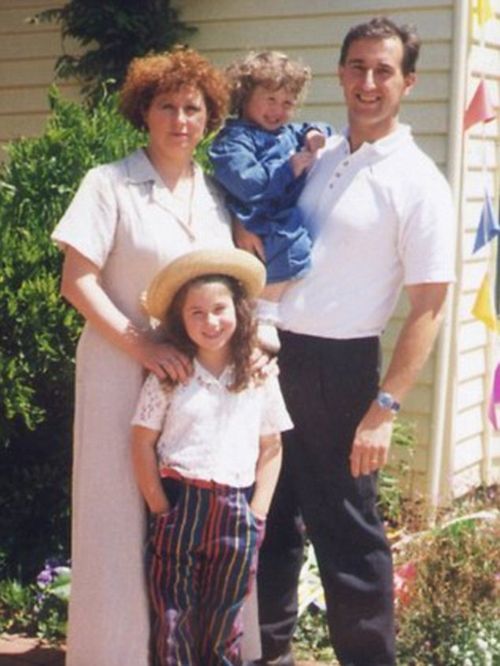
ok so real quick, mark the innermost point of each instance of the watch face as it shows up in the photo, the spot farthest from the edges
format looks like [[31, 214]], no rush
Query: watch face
[[386, 401]]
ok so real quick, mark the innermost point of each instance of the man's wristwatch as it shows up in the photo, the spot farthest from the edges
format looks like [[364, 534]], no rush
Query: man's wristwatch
[[386, 401]]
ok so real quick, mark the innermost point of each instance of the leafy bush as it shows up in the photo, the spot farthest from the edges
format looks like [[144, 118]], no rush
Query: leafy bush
[[38, 331], [451, 611], [393, 479], [447, 589], [38, 609]]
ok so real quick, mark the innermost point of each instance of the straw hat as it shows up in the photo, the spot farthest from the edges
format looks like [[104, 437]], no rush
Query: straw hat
[[238, 264]]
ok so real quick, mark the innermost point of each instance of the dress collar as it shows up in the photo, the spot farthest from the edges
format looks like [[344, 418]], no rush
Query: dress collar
[[141, 170], [206, 378]]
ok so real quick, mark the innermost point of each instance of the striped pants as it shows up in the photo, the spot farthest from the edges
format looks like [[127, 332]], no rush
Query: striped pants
[[202, 557]]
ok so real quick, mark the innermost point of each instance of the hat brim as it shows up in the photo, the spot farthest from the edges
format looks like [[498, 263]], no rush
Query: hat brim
[[238, 264]]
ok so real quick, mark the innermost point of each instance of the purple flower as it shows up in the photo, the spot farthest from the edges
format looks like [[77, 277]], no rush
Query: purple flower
[[45, 576]]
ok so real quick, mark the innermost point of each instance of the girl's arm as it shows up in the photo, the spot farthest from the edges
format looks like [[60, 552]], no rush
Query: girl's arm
[[81, 287], [266, 474], [146, 468]]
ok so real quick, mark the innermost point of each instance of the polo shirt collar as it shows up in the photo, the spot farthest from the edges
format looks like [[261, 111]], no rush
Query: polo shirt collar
[[387, 145]]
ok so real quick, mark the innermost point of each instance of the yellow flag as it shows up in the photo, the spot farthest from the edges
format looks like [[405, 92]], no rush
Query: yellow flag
[[483, 11], [484, 308]]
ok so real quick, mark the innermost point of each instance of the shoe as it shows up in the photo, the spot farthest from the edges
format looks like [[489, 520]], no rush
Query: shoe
[[285, 660], [267, 337]]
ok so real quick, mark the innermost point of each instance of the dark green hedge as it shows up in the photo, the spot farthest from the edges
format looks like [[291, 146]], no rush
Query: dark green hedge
[[38, 331]]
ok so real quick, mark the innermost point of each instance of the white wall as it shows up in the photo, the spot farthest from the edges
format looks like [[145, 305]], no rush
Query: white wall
[[313, 31]]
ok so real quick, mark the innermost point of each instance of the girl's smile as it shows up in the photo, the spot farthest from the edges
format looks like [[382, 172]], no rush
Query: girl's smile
[[209, 317]]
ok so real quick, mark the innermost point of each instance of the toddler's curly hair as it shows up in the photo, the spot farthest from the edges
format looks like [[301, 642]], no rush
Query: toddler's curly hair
[[270, 69]]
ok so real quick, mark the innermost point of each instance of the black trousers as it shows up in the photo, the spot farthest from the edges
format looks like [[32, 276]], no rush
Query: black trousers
[[328, 386]]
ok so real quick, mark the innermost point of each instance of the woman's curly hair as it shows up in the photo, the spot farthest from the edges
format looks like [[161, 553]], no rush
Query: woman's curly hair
[[243, 341], [270, 69], [151, 75]]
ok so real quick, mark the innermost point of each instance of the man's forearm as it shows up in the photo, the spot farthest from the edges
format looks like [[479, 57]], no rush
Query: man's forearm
[[416, 339]]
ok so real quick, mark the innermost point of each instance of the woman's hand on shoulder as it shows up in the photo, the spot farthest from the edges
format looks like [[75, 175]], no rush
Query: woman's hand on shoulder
[[263, 365], [164, 360]]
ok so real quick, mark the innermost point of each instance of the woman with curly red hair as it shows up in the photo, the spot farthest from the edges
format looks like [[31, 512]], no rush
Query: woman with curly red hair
[[127, 220]]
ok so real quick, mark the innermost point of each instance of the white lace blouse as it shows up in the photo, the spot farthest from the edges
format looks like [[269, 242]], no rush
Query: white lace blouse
[[208, 432]]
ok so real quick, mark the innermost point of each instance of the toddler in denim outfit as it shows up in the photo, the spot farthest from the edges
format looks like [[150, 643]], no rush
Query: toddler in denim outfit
[[261, 160]]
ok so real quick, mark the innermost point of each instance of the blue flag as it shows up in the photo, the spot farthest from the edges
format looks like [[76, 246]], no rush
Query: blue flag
[[489, 226]]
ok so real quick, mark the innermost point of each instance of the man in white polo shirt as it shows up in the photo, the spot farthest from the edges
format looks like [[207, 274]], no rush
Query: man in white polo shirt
[[382, 219]]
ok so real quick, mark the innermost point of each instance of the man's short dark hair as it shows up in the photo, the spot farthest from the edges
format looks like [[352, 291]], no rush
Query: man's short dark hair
[[383, 28]]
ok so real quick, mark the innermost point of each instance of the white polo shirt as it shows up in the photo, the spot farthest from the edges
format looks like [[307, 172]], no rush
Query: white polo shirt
[[381, 217], [209, 432]]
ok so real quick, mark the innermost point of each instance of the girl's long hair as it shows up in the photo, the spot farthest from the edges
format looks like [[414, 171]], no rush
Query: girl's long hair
[[242, 342]]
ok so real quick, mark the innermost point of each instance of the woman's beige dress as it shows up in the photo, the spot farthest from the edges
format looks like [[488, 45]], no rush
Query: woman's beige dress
[[123, 218]]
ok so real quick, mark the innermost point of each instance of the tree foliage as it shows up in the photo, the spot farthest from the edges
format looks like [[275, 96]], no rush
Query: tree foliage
[[113, 32], [38, 331]]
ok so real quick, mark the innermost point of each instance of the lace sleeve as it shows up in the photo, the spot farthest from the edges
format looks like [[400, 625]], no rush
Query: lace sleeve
[[152, 404], [275, 417]]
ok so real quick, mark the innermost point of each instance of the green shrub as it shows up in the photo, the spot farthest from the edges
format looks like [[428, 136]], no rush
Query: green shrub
[[16, 605], [38, 331], [393, 479], [37, 609], [450, 617], [112, 33]]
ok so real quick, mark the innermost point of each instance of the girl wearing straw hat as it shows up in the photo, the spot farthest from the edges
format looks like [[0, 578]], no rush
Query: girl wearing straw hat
[[206, 455]]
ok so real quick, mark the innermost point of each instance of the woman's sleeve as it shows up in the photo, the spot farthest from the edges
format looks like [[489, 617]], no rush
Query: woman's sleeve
[[89, 223], [275, 417]]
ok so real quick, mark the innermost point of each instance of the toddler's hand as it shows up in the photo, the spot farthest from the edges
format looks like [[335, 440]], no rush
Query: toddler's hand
[[300, 162], [315, 140]]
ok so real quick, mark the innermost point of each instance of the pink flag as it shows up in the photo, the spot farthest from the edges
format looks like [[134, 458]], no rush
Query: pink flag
[[480, 109], [494, 399]]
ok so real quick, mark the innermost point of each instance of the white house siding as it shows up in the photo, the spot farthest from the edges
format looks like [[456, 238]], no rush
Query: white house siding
[[473, 455], [313, 31], [27, 56]]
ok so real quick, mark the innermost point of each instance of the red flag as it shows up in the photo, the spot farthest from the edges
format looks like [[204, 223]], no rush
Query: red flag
[[480, 109]]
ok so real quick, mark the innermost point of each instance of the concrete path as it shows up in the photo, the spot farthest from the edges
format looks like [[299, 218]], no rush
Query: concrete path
[[22, 651]]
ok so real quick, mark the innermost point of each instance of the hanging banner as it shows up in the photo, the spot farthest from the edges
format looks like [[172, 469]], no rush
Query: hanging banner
[[482, 11], [489, 226], [494, 399], [480, 109], [484, 308]]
